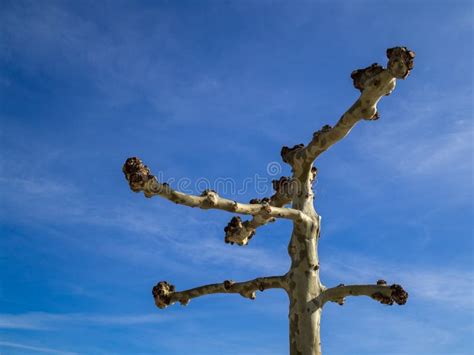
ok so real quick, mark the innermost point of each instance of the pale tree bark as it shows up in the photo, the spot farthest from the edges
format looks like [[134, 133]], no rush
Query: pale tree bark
[[165, 294], [141, 179], [241, 232], [307, 295]]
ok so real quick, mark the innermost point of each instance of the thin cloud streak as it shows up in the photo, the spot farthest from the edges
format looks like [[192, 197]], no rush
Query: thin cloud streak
[[51, 321], [149, 230], [9, 344], [414, 147]]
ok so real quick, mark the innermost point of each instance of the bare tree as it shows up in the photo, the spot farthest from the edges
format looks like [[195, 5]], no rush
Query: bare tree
[[307, 295]]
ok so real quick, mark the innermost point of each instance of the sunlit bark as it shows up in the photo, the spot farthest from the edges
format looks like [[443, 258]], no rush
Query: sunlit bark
[[307, 296]]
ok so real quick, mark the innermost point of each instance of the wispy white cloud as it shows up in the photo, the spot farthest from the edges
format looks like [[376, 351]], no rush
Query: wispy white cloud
[[38, 187], [9, 344], [214, 251], [49, 321], [414, 144], [125, 68], [145, 234]]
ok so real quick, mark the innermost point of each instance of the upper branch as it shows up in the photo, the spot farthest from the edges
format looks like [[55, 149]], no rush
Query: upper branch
[[165, 295], [380, 292], [141, 179], [374, 82]]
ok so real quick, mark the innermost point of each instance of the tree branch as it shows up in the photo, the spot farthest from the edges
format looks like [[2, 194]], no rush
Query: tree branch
[[285, 188], [374, 82], [240, 232], [380, 292], [141, 179], [165, 295]]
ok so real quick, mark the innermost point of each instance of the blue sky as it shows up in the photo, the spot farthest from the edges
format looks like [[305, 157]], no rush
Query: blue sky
[[214, 90]]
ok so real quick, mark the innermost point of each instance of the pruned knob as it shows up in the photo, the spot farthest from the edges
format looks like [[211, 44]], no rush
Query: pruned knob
[[136, 173], [211, 200], [162, 293], [236, 231], [399, 295], [258, 201], [228, 284], [286, 152], [362, 77], [326, 128], [380, 297], [400, 61], [285, 186], [314, 174]]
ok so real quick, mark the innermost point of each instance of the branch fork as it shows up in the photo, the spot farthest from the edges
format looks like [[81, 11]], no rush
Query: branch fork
[[241, 232]]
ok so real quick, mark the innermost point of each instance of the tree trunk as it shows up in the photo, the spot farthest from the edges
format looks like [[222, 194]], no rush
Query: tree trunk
[[303, 278]]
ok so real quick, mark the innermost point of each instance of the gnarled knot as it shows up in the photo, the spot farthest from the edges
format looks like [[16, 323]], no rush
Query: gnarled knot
[[341, 301], [326, 128], [317, 134], [238, 232], [136, 173], [288, 153], [284, 186], [375, 116], [211, 198], [184, 301], [258, 201], [208, 192], [363, 77], [248, 294], [397, 295], [314, 174], [266, 210], [400, 61], [162, 293], [380, 297], [228, 284]]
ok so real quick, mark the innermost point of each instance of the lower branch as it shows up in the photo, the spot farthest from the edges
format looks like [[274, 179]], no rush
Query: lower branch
[[165, 294], [380, 292]]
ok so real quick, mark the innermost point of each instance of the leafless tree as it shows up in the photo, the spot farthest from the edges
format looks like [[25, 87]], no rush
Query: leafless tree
[[307, 295]]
